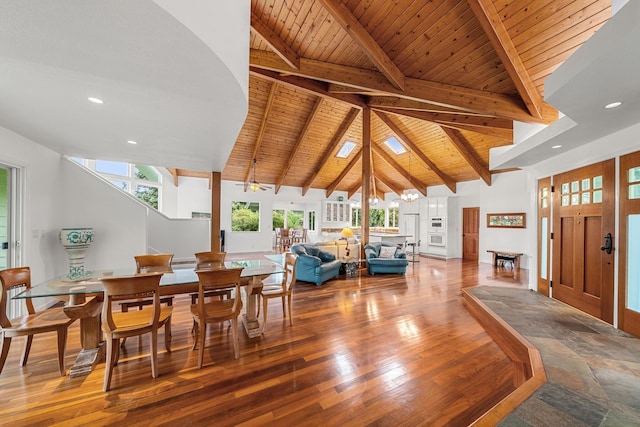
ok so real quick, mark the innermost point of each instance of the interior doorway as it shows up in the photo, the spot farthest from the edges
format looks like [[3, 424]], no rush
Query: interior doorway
[[470, 233]]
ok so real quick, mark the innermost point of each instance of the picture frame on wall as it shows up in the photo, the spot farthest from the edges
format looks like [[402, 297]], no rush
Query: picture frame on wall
[[507, 220]]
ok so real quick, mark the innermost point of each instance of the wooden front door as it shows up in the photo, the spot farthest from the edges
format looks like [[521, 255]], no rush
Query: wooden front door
[[629, 251], [470, 228], [583, 214], [544, 233]]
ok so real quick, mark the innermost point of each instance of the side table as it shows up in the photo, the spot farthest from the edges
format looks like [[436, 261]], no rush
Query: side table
[[349, 266]]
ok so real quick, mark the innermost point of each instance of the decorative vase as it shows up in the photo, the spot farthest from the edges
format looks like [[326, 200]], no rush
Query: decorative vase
[[76, 241]]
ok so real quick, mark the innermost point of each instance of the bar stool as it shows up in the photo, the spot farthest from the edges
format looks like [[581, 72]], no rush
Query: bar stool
[[413, 250]]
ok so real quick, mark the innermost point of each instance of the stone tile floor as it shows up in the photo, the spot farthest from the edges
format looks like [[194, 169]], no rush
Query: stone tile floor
[[593, 369]]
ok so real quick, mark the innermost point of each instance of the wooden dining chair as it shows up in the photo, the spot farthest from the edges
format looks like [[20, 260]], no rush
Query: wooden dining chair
[[300, 235], [283, 290], [122, 325], [32, 323], [150, 263], [278, 234], [208, 261], [205, 312], [285, 238]]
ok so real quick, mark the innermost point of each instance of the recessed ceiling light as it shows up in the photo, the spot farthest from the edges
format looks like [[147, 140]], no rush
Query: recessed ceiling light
[[95, 100], [132, 142], [613, 105], [556, 146]]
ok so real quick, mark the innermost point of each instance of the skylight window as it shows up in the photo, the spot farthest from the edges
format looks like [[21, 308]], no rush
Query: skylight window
[[346, 149], [395, 145]]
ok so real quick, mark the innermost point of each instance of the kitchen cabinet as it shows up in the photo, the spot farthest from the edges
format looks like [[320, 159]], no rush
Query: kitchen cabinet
[[441, 243], [336, 214]]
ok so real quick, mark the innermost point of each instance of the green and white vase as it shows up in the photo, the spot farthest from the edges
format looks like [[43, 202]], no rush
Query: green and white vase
[[76, 241]]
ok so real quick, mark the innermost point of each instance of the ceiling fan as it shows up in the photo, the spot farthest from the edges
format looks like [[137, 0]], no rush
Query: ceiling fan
[[255, 185]]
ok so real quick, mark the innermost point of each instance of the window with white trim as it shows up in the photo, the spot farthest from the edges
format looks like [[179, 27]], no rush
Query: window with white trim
[[142, 181]]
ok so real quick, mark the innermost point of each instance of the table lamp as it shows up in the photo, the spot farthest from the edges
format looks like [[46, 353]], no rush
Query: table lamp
[[345, 234]]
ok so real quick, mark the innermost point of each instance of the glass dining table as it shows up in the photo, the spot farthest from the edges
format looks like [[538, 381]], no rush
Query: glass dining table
[[84, 300]]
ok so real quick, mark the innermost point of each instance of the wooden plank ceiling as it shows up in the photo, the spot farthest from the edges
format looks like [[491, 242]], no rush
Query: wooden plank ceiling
[[447, 78]]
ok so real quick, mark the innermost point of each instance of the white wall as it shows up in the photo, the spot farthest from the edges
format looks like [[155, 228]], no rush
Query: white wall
[[181, 237], [42, 178], [508, 193], [118, 220], [194, 195]]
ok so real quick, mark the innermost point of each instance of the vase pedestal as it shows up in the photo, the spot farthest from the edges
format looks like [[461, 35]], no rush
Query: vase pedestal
[[76, 241], [76, 261]]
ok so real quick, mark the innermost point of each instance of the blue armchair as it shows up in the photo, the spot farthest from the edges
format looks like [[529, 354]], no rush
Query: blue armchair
[[315, 265], [396, 263]]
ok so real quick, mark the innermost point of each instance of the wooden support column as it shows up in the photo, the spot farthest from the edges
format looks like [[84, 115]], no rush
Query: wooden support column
[[366, 175], [216, 183]]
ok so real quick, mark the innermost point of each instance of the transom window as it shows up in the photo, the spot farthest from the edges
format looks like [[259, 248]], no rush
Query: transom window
[[583, 192]]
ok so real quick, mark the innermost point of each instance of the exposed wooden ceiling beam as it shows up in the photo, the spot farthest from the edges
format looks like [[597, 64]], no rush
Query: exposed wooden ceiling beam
[[462, 98], [353, 190], [504, 134], [379, 193], [299, 143], [177, 173], [419, 185], [389, 183], [494, 28], [333, 144], [375, 101], [335, 88], [361, 36], [274, 41], [442, 117], [260, 135], [308, 86], [490, 126], [174, 174], [332, 187], [446, 179], [466, 151]]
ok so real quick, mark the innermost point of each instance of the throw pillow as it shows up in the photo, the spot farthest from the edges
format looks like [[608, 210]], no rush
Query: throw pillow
[[387, 252]]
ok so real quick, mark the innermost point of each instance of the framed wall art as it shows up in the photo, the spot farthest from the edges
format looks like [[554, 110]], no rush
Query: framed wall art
[[507, 220]]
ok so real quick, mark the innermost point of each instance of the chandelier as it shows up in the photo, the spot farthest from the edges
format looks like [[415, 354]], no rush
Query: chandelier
[[409, 197]]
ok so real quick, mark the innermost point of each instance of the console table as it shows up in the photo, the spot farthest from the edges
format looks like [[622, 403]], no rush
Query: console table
[[499, 257]]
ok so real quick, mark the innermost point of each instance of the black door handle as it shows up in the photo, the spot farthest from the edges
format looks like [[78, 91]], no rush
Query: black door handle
[[608, 243]]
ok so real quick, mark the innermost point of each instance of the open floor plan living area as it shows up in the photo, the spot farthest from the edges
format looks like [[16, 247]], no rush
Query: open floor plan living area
[[320, 212]]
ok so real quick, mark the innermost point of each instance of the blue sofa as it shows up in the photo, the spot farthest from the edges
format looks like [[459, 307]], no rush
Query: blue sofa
[[395, 264], [315, 265]]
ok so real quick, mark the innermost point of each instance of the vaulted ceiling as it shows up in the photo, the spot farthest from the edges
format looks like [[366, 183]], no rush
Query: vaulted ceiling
[[446, 78]]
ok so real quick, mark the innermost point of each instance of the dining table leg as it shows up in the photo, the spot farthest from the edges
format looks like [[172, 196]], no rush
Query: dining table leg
[[252, 326], [88, 312]]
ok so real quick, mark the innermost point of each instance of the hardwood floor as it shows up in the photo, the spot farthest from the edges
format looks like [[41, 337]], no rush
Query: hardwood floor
[[370, 350]]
